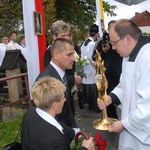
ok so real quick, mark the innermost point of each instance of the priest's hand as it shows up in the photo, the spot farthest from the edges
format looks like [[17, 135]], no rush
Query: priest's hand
[[116, 127], [102, 105]]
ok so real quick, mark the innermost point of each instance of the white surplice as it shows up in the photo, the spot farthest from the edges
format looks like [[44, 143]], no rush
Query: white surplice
[[134, 94]]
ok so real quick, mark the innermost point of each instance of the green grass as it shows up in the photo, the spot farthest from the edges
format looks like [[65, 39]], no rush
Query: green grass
[[8, 131]]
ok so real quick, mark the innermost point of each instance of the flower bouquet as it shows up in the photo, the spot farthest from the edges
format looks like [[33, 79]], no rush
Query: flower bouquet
[[100, 144], [79, 69], [79, 66]]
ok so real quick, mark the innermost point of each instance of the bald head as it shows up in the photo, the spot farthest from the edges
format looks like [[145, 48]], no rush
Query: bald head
[[125, 27], [124, 35]]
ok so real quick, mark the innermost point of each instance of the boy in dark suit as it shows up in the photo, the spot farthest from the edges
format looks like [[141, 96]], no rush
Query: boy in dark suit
[[40, 129]]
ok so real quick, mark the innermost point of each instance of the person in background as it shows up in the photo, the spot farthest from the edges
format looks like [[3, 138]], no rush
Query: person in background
[[40, 129], [23, 46], [5, 40], [61, 29], [90, 92], [113, 64], [22, 41], [132, 92], [71, 72], [77, 50], [12, 45], [87, 35], [3, 45], [62, 52]]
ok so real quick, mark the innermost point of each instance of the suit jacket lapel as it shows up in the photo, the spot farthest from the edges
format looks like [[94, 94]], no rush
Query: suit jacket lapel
[[54, 72]]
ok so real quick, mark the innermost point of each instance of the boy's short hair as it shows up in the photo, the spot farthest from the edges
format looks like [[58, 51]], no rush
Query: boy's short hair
[[46, 91]]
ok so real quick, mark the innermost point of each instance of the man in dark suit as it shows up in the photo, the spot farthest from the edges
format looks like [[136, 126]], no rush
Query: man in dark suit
[[40, 129], [62, 58]]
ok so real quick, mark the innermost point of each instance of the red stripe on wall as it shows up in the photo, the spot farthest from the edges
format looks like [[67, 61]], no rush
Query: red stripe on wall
[[41, 38]]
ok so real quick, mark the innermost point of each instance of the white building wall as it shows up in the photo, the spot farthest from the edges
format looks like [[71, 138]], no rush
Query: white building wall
[[145, 29]]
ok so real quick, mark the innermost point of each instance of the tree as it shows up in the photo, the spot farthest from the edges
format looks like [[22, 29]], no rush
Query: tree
[[80, 14], [49, 17], [11, 17], [109, 9]]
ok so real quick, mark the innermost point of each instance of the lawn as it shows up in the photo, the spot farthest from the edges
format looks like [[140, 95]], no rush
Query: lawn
[[8, 131]]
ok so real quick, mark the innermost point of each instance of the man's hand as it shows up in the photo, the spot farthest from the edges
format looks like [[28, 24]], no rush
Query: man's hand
[[78, 79], [116, 127]]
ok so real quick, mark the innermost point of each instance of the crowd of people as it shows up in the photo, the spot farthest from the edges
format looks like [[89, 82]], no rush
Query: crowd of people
[[10, 43], [51, 124]]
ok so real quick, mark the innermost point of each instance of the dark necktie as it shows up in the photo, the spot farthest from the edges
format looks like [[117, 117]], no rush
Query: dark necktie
[[65, 81], [66, 85]]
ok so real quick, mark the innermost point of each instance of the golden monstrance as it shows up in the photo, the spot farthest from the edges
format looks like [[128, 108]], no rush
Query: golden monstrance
[[101, 83]]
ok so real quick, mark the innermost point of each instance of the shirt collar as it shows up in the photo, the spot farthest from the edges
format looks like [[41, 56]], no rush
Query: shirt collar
[[47, 117], [60, 72], [12, 41], [91, 39], [141, 42], [23, 45]]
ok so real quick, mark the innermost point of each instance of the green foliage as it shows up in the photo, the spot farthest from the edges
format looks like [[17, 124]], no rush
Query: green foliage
[[109, 9], [11, 17], [74, 146], [80, 14], [49, 16], [8, 131]]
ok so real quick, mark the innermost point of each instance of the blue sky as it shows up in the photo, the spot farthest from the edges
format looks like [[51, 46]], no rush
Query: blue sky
[[126, 12]]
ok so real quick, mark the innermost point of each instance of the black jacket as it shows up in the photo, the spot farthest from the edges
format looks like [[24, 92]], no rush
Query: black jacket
[[66, 116]]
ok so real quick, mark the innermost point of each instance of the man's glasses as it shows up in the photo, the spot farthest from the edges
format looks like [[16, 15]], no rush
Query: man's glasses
[[113, 43]]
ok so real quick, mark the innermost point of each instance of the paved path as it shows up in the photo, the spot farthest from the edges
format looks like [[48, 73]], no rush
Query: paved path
[[84, 119]]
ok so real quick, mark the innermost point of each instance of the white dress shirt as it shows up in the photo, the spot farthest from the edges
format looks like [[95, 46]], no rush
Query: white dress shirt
[[2, 52], [60, 72], [12, 46]]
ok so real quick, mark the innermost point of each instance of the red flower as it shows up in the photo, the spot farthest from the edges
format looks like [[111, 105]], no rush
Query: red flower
[[97, 136], [101, 144]]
